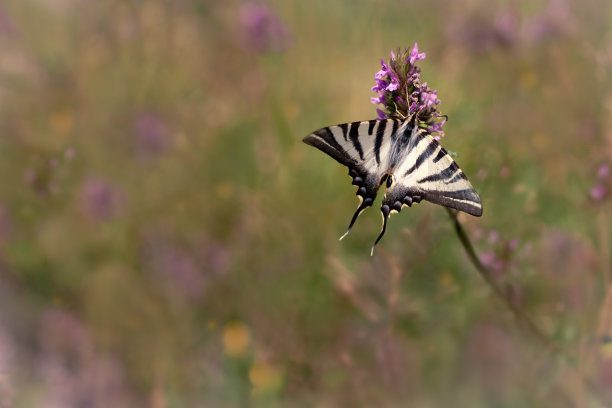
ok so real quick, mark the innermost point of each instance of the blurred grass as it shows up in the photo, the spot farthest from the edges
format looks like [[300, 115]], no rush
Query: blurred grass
[[166, 239]]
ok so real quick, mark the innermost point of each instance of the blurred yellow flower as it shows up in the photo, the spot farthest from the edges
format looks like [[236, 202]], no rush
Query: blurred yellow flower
[[236, 339], [606, 350], [61, 122], [445, 279], [528, 79], [265, 377], [224, 190]]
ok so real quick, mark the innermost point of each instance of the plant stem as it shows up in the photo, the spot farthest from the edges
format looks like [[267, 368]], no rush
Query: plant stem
[[486, 274], [518, 313]]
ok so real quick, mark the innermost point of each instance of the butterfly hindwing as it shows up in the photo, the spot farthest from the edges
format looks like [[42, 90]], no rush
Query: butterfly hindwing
[[428, 172]]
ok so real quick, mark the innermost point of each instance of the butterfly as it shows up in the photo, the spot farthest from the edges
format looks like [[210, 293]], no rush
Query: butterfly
[[401, 155]]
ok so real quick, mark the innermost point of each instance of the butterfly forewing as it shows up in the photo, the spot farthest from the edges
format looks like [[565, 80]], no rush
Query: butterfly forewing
[[357, 143]]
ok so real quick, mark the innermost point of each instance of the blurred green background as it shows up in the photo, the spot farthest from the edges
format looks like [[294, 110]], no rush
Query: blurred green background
[[167, 240]]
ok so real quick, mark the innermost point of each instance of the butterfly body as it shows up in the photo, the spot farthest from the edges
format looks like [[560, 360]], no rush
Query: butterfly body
[[404, 157]]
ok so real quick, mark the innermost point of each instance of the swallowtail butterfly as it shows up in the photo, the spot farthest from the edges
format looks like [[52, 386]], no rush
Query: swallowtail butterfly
[[405, 158]]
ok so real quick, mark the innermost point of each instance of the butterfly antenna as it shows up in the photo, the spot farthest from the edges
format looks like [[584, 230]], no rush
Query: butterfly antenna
[[364, 204], [385, 213], [399, 113]]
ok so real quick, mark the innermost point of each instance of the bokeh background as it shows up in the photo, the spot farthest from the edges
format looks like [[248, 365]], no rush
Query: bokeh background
[[167, 240]]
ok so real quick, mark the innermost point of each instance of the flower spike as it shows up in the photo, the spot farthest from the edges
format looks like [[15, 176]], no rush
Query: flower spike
[[401, 93]]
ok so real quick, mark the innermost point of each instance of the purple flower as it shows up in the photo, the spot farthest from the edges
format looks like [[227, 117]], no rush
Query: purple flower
[[603, 172], [415, 55], [429, 99], [493, 237], [553, 21], [72, 372], [383, 72], [262, 29], [381, 114], [6, 24], [500, 253], [101, 200], [483, 34], [513, 244], [6, 350], [400, 91], [184, 272], [598, 192], [151, 135], [69, 153], [487, 258], [490, 351], [393, 86]]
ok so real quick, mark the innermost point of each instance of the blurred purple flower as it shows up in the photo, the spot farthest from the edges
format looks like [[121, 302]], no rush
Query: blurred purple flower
[[598, 192], [491, 260], [69, 153], [513, 244], [553, 21], [181, 272], [603, 172], [100, 200], [40, 176], [216, 257], [604, 373], [487, 258], [499, 256], [62, 331], [72, 373], [489, 355], [400, 91], [151, 135], [493, 237], [184, 272], [6, 353], [505, 28], [263, 31], [7, 27], [566, 258], [481, 34], [8, 365]]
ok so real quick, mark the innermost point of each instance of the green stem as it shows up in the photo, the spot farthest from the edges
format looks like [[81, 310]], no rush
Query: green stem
[[518, 313], [521, 317]]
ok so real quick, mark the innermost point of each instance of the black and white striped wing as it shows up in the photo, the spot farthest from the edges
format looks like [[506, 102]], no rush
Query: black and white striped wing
[[364, 148], [428, 172]]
